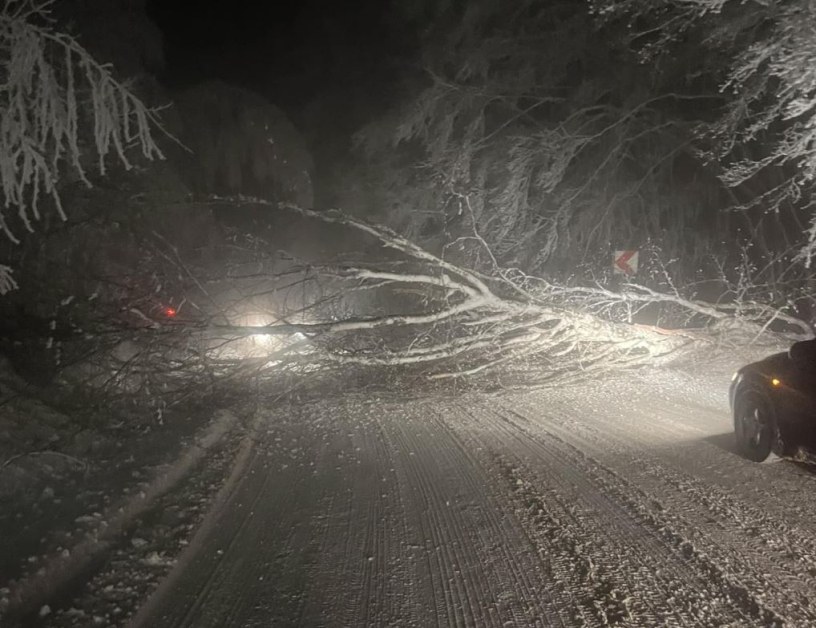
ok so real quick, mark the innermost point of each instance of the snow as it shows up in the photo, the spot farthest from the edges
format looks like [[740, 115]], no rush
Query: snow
[[64, 552], [618, 502], [615, 502]]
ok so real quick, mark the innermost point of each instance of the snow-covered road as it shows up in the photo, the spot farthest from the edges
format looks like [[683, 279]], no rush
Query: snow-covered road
[[613, 504]]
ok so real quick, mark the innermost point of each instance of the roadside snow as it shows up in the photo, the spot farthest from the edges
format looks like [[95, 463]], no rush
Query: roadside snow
[[97, 531]]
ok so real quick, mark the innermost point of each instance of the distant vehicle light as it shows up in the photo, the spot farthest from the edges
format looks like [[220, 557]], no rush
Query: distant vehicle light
[[775, 382]]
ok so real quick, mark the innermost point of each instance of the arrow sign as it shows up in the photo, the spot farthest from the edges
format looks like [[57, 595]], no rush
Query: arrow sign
[[625, 262]]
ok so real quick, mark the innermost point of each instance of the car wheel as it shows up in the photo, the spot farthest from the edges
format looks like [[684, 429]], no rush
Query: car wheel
[[754, 425]]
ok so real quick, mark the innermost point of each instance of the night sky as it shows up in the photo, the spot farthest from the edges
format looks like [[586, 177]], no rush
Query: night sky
[[291, 53]]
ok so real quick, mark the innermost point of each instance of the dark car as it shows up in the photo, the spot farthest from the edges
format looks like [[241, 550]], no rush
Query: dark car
[[774, 404]]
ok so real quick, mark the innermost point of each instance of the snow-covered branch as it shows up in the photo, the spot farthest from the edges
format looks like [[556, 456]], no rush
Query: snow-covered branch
[[472, 323], [55, 98], [413, 314]]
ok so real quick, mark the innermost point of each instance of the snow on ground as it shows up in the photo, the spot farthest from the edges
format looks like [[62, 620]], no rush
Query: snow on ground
[[114, 524], [615, 503]]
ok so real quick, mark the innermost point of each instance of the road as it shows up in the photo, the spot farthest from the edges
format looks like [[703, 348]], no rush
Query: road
[[621, 503]]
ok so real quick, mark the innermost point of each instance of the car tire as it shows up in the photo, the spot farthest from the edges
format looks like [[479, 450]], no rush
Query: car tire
[[754, 425]]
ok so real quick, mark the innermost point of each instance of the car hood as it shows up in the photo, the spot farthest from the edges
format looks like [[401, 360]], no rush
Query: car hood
[[776, 364]]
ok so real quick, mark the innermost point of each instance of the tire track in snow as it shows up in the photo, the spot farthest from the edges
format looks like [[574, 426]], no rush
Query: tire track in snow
[[751, 537], [479, 566], [764, 596], [441, 533], [618, 579], [262, 531], [360, 576], [703, 449]]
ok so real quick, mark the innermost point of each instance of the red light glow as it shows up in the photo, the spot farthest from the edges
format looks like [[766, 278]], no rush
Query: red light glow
[[170, 312]]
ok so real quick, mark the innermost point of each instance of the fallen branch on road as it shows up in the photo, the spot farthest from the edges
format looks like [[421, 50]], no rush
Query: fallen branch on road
[[480, 321], [410, 311]]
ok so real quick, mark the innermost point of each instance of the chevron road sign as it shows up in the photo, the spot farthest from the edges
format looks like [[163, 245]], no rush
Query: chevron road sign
[[625, 262]]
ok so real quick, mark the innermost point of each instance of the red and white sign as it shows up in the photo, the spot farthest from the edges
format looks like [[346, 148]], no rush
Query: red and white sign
[[625, 262]]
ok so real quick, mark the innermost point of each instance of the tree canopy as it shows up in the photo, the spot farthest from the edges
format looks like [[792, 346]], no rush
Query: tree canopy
[[764, 52], [557, 132]]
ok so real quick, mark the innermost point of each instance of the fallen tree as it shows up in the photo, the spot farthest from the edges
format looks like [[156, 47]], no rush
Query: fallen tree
[[406, 313]]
